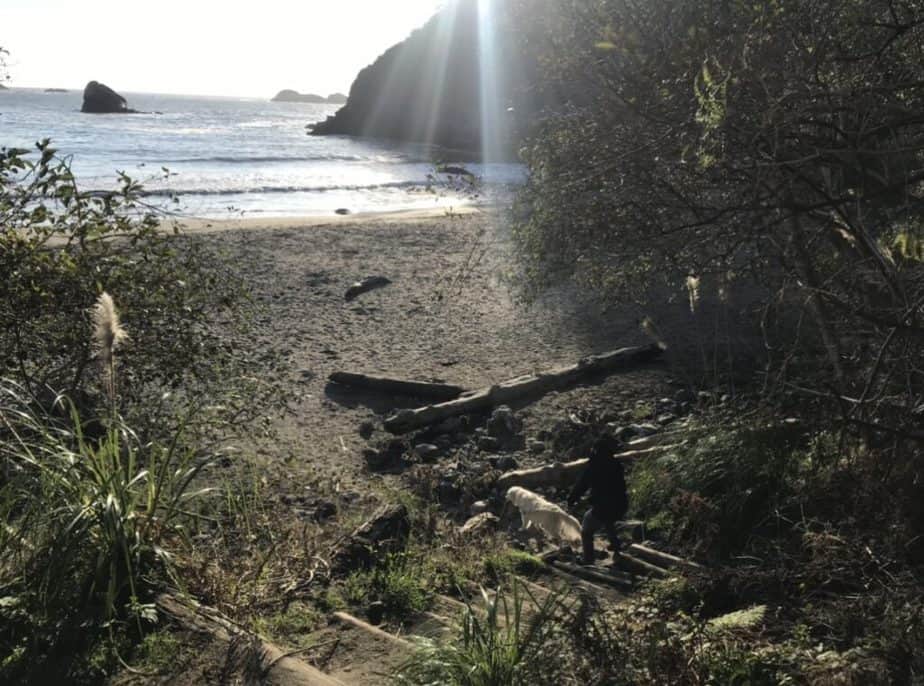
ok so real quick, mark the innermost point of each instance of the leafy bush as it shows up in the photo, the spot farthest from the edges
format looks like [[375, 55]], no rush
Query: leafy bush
[[716, 493], [60, 247], [762, 158]]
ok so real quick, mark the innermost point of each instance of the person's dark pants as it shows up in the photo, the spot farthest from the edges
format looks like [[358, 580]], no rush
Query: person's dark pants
[[591, 525]]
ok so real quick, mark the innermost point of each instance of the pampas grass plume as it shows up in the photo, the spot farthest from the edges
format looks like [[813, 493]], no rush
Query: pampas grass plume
[[108, 334]]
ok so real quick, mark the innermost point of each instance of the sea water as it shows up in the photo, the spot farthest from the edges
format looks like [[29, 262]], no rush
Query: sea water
[[233, 157]]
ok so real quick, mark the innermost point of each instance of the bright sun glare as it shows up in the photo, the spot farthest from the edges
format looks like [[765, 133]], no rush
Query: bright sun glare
[[206, 47]]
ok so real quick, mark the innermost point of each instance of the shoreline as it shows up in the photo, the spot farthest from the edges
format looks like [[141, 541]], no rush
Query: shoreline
[[198, 225]]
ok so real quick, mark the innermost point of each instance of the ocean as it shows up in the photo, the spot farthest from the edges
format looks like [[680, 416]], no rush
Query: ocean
[[238, 157]]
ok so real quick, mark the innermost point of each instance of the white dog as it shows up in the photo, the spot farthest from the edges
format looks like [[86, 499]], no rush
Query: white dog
[[538, 512]]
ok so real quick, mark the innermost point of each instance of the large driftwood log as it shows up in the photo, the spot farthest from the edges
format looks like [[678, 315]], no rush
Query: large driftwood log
[[522, 388], [381, 384], [276, 667]]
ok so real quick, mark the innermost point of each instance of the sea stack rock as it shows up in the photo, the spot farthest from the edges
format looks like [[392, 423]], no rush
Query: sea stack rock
[[99, 98], [294, 96]]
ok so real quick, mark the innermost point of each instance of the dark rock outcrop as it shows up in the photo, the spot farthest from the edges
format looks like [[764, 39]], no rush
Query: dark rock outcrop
[[294, 96], [99, 98], [429, 88]]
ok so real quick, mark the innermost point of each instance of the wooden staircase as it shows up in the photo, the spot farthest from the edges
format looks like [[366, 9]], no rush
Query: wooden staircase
[[350, 651]]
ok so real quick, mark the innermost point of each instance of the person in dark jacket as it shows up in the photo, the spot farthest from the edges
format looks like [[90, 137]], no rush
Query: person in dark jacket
[[609, 501]]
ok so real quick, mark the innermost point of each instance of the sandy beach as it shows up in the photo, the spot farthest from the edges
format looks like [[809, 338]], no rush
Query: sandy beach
[[450, 314]]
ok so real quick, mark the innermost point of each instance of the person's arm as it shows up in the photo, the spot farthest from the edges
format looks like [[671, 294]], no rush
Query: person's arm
[[580, 488]]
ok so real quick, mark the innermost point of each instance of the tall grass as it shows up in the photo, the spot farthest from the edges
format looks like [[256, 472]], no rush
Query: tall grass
[[89, 514], [103, 510], [506, 640]]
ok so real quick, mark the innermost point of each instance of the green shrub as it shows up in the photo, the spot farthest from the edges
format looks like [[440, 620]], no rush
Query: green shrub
[[715, 493], [399, 582], [61, 247]]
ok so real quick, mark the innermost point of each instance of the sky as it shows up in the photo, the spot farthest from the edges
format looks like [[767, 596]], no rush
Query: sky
[[202, 47]]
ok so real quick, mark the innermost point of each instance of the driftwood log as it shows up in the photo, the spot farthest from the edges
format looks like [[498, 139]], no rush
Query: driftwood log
[[523, 388], [370, 283], [564, 475], [381, 384], [275, 666]]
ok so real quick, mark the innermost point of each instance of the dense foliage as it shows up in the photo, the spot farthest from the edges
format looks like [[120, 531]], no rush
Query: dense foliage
[[60, 247], [764, 156]]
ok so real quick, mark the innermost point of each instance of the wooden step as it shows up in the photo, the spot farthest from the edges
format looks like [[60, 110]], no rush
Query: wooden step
[[613, 580], [638, 566], [661, 559], [361, 654]]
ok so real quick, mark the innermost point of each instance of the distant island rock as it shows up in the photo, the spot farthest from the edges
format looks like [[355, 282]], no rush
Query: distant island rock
[[428, 88], [337, 99], [99, 98], [295, 96], [56, 90]]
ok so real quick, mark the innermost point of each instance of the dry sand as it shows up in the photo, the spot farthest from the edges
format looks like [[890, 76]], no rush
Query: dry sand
[[449, 315]]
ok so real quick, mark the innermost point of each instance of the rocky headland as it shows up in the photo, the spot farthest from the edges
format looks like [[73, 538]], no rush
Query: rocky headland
[[428, 88]]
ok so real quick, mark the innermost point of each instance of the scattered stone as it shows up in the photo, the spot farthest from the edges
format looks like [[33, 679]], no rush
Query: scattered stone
[[366, 429], [449, 426], [684, 396], [448, 492], [488, 443], [485, 522], [427, 452], [535, 447], [505, 463], [325, 510], [370, 283], [376, 459], [666, 418], [375, 613], [503, 423], [480, 507]]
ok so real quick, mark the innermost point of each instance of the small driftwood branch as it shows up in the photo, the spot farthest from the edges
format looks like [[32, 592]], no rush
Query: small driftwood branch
[[382, 384], [279, 668], [523, 388]]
